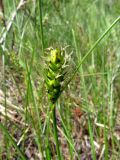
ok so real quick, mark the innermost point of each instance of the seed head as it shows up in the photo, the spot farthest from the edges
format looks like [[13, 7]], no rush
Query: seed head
[[54, 74]]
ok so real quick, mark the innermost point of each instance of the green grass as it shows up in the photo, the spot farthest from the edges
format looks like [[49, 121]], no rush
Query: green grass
[[91, 29]]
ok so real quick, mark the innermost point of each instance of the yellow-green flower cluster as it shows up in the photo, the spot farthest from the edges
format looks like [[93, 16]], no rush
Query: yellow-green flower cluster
[[55, 74]]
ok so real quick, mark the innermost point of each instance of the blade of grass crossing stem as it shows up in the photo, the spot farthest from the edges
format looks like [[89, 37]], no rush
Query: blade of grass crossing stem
[[92, 48], [69, 140], [66, 131], [12, 141]]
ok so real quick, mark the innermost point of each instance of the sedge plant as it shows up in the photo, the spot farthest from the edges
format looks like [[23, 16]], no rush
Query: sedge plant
[[55, 77], [55, 74]]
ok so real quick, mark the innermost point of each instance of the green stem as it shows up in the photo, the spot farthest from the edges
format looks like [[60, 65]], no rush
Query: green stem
[[41, 25], [48, 152], [56, 133]]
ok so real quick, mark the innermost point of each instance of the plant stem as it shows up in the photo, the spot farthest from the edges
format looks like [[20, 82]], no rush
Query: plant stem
[[41, 25], [56, 133], [48, 151]]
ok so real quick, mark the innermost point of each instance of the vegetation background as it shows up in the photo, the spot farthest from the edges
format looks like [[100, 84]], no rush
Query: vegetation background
[[88, 111]]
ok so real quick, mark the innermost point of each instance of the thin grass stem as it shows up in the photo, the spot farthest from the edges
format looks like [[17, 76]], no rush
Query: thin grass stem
[[56, 133], [48, 152], [41, 25]]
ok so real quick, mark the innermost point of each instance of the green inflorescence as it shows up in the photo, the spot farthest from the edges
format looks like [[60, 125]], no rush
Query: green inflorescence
[[54, 74]]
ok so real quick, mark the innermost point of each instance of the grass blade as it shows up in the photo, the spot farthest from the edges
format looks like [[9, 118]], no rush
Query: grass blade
[[12, 141], [92, 48]]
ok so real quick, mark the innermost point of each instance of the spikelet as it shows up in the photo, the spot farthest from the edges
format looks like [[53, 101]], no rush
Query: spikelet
[[55, 73]]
